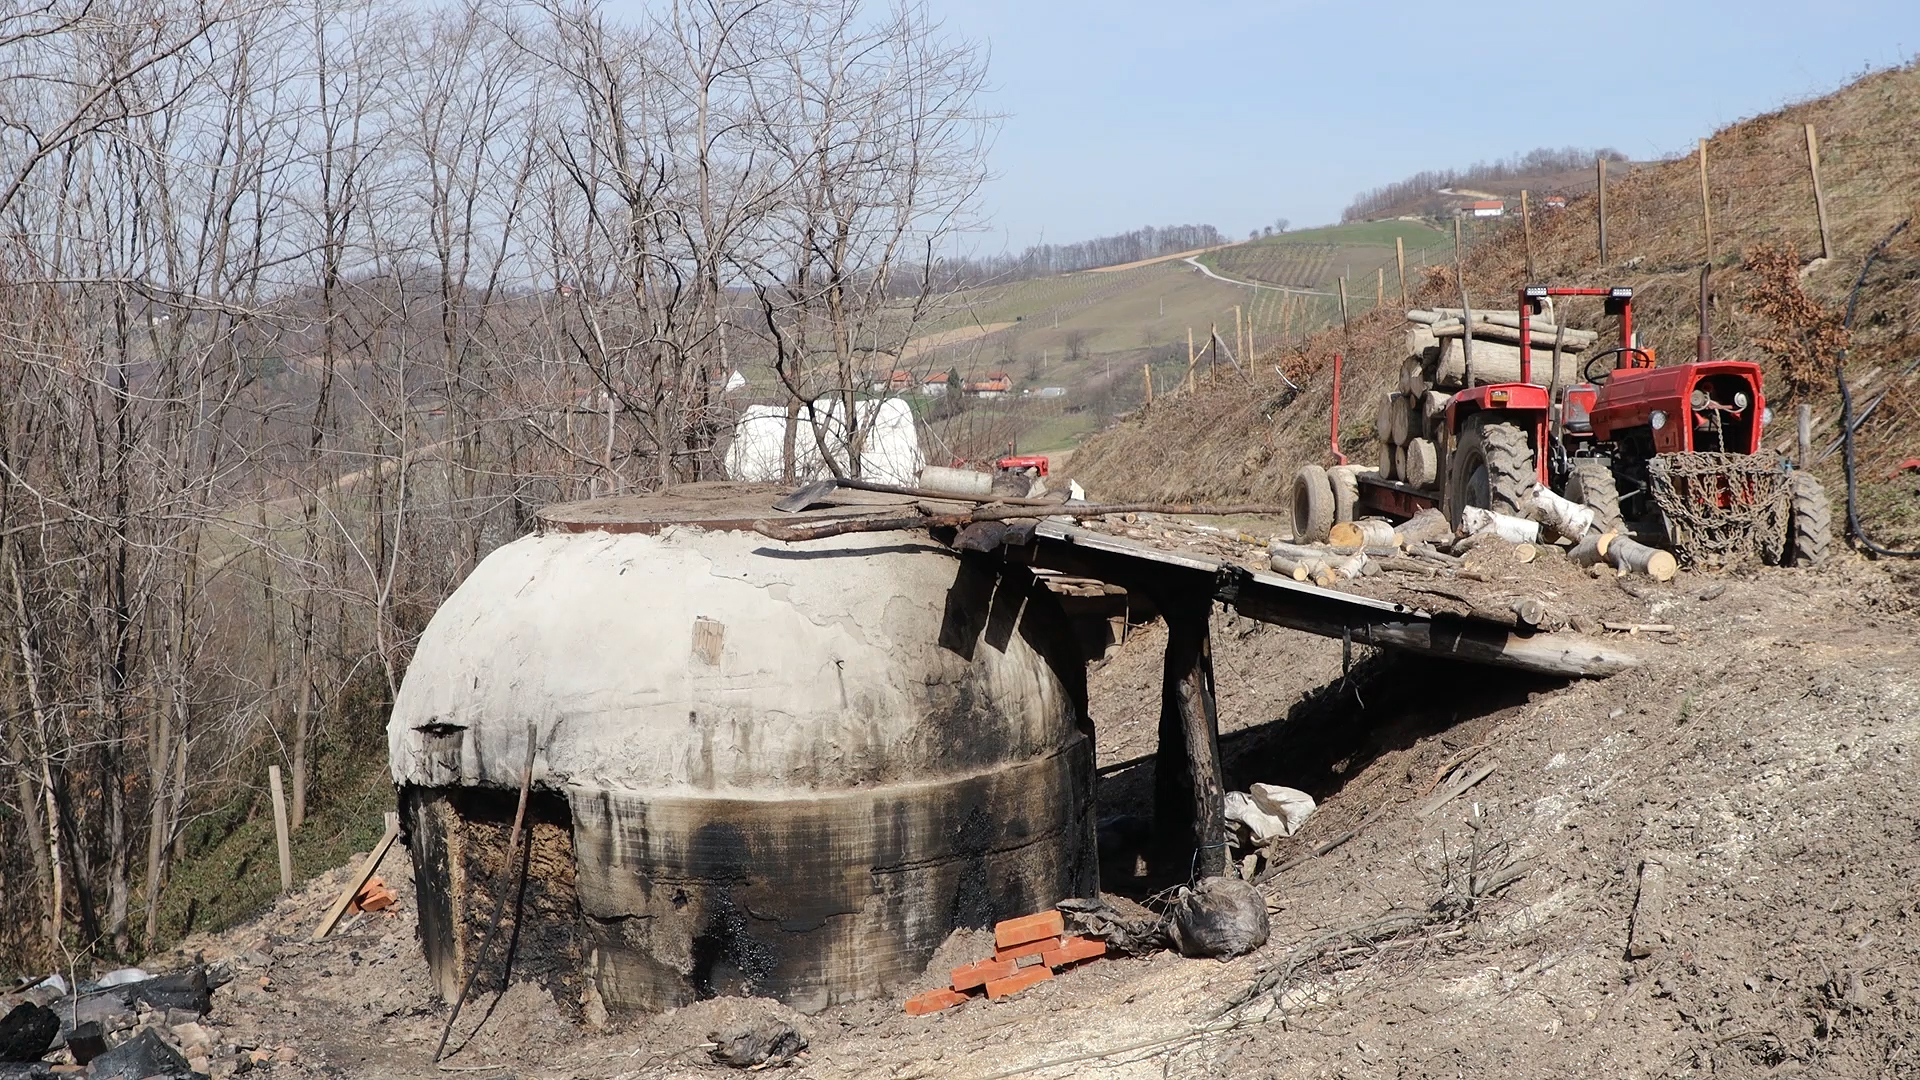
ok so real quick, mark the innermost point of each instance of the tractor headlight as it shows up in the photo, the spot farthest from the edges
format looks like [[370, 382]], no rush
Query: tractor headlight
[[1658, 419], [1741, 400], [1766, 416]]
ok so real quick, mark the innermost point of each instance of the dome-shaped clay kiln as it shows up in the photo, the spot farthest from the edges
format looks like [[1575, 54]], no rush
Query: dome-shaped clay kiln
[[780, 769]]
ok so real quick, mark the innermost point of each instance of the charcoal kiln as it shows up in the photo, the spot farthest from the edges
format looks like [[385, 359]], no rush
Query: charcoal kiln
[[759, 768]]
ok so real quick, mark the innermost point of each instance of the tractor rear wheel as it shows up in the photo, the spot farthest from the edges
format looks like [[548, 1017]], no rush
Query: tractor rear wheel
[[1590, 483], [1810, 527], [1491, 467], [1312, 505]]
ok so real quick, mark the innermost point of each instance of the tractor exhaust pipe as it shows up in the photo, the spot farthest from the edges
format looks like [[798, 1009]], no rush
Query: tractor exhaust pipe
[[1703, 348]]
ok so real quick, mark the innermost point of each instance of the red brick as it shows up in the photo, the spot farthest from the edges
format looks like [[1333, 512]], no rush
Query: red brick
[[933, 1001], [1031, 950], [1046, 924], [1019, 981], [980, 973], [1072, 950]]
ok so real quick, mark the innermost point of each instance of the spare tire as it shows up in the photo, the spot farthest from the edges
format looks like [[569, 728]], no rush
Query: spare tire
[[1312, 505]]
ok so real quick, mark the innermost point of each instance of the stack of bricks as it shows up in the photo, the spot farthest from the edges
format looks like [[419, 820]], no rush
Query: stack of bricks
[[1027, 950]]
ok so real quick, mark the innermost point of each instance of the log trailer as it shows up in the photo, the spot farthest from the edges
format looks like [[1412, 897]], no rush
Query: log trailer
[[1671, 455]]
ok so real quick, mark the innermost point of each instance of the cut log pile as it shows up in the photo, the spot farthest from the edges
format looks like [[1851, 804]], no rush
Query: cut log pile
[[1409, 418]]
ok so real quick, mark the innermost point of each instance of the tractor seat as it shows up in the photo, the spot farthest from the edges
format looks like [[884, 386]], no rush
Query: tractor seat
[[1575, 416]]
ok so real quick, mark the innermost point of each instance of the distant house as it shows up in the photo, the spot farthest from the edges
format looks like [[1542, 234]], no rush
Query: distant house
[[934, 385], [1486, 208], [1047, 392], [997, 384], [1555, 202], [897, 381]]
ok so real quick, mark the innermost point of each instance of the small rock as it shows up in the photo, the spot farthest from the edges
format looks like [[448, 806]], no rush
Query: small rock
[[286, 1054], [767, 1041]]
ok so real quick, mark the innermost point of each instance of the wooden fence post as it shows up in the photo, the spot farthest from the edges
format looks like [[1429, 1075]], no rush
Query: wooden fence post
[[1344, 328], [1526, 232], [1803, 425], [1379, 287], [280, 827], [1600, 173], [1400, 260], [1239, 341], [1819, 192], [1706, 206], [1146, 375], [1190, 359]]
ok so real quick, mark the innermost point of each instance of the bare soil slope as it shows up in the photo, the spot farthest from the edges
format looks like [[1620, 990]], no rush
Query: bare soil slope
[[1762, 757]]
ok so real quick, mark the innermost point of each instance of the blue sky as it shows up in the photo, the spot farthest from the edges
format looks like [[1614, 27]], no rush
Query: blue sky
[[1122, 113]]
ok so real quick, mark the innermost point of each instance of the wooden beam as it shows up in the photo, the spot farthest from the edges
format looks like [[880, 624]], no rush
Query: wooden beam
[[1189, 790], [359, 878], [280, 827]]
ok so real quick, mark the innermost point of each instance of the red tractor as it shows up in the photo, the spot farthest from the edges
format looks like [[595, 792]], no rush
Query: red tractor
[[1670, 454]]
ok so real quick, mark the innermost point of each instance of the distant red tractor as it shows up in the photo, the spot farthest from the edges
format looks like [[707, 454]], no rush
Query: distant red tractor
[[1671, 454]]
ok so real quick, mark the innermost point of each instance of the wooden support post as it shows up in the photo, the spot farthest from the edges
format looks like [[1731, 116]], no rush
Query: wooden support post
[[1190, 359], [1146, 376], [1526, 233], [1344, 328], [1706, 205], [1400, 260], [1189, 791], [1600, 181], [1803, 430], [1379, 287], [1239, 341], [280, 827], [1819, 192]]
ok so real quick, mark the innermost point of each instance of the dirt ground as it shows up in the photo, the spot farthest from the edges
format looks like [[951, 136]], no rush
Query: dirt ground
[[1761, 761]]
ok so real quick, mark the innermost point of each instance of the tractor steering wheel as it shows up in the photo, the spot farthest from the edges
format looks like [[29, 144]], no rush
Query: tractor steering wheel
[[1590, 374]]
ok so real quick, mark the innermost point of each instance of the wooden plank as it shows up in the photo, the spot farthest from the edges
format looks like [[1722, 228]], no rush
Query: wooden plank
[[1819, 192], [280, 827], [359, 878]]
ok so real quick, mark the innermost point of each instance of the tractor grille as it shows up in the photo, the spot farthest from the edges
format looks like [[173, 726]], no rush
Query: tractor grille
[[1721, 509]]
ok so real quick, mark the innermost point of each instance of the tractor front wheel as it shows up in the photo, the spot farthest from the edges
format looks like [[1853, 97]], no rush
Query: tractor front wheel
[[1491, 467], [1810, 527], [1590, 483]]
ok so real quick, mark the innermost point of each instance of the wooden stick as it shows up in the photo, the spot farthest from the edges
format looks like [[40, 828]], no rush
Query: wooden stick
[[1526, 231], [1819, 192], [1146, 376], [1344, 327], [1600, 171], [500, 904], [280, 827], [1453, 791], [359, 878], [1803, 430], [1191, 359], [1706, 206], [1400, 260], [1639, 628]]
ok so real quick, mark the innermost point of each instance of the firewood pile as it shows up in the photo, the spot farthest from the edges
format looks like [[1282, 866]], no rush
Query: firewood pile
[[1408, 419]]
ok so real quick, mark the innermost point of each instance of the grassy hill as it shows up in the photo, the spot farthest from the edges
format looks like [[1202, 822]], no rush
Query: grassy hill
[[1240, 439]]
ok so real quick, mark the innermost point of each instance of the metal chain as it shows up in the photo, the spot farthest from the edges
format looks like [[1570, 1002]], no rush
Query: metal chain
[[1722, 508]]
